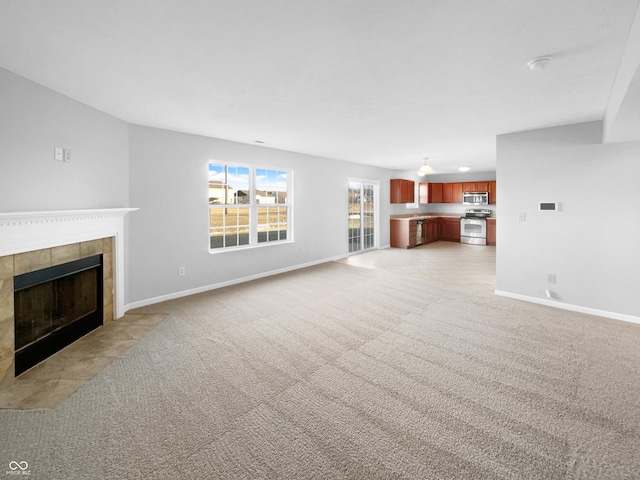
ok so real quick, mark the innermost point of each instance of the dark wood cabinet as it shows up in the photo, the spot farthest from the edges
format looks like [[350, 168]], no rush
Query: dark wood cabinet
[[491, 231], [475, 186], [447, 193], [482, 186], [457, 193], [403, 233], [492, 192], [431, 230], [452, 192], [402, 191], [430, 192], [450, 229]]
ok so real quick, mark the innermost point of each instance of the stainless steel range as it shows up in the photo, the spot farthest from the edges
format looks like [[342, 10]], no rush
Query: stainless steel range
[[473, 226]]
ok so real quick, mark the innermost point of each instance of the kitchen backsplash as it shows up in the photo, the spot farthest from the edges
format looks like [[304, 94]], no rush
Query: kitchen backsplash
[[397, 209]]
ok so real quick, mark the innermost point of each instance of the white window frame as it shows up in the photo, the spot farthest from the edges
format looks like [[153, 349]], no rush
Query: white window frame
[[376, 211], [253, 206]]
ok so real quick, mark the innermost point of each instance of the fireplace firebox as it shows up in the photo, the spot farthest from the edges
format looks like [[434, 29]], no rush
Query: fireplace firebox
[[54, 307]]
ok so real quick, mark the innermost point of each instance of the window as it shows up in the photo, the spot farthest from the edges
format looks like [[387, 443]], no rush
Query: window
[[248, 206]]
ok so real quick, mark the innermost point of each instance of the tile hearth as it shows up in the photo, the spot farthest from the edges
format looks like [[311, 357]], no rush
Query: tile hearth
[[58, 377]]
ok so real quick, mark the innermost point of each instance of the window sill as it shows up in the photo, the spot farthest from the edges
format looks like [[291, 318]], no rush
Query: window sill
[[216, 251]]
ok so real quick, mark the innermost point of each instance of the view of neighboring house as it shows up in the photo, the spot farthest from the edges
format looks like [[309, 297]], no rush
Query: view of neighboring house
[[220, 194]]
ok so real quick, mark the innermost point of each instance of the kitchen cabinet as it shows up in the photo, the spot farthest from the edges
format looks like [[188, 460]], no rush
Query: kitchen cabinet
[[492, 192], [431, 230], [452, 192], [491, 231], [475, 186], [430, 192], [403, 233], [450, 229], [402, 191]]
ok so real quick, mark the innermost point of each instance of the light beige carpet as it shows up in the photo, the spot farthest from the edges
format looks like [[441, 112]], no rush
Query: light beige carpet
[[382, 370]]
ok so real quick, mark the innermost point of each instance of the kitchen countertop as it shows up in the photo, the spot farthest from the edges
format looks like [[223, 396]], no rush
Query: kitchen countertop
[[424, 216]]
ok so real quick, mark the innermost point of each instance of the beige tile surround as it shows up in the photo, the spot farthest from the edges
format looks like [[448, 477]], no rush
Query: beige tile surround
[[12, 265]]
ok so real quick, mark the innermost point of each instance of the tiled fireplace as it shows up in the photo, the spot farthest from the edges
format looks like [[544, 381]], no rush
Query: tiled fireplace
[[31, 242]]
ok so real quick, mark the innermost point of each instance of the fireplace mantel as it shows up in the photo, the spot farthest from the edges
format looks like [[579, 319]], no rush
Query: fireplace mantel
[[27, 231]]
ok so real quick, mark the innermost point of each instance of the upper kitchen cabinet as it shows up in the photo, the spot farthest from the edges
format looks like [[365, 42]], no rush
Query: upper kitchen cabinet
[[452, 192], [475, 186], [430, 192], [492, 192], [402, 191]]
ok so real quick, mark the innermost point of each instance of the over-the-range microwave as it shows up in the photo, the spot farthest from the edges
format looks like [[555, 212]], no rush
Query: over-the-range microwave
[[475, 198]]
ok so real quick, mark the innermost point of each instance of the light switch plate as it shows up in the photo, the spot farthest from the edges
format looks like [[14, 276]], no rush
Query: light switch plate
[[58, 154]]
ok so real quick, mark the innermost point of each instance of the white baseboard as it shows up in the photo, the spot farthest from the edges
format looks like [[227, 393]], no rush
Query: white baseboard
[[235, 281], [573, 308]]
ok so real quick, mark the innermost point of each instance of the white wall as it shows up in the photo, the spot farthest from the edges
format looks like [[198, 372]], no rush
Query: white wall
[[169, 182], [33, 121], [592, 243]]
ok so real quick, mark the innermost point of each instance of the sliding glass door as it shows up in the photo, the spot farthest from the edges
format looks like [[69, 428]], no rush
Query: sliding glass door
[[362, 215]]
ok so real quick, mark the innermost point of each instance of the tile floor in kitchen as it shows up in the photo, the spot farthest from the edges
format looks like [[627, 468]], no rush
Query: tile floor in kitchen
[[450, 263]]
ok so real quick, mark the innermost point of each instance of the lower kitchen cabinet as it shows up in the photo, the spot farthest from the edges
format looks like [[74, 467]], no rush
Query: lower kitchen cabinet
[[491, 231], [450, 229], [403, 233], [431, 230]]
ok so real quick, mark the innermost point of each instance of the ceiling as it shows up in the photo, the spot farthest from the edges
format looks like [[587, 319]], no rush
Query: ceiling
[[378, 82]]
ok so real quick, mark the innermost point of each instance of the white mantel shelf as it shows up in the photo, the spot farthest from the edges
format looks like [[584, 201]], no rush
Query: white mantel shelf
[[27, 231], [26, 216]]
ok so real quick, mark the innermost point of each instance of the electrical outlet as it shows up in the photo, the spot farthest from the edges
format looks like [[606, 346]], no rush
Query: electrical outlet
[[182, 271], [551, 278]]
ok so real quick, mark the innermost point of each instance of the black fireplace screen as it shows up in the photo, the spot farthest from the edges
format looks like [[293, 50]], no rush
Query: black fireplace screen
[[54, 307]]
